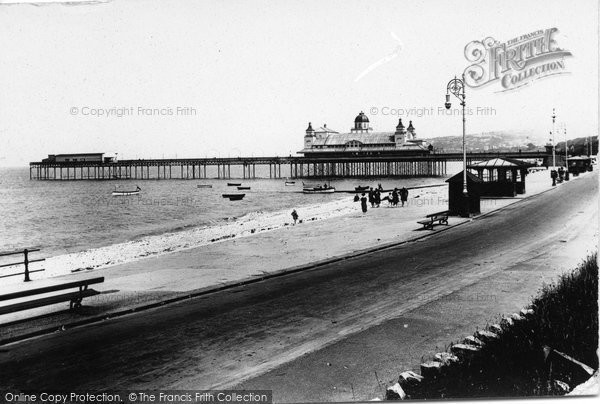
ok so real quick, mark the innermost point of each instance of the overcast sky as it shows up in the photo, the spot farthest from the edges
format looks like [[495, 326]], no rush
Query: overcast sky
[[257, 72]]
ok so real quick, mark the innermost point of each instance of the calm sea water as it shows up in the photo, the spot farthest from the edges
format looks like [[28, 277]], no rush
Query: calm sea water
[[69, 216]]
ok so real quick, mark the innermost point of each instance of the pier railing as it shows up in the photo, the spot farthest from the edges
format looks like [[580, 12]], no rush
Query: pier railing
[[313, 166], [26, 261]]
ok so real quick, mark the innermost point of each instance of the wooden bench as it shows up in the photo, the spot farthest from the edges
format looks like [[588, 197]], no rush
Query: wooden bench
[[74, 298], [439, 217]]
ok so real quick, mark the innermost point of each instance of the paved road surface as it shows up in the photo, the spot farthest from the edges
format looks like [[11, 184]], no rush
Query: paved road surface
[[357, 310]]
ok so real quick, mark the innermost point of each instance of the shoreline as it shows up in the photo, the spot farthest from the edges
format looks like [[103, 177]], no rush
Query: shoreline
[[156, 245], [252, 225]]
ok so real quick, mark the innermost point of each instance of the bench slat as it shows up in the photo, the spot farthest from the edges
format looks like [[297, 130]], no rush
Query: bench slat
[[444, 213], [51, 288], [46, 301]]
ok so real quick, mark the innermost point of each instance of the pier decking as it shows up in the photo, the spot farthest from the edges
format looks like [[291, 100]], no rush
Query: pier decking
[[245, 167]]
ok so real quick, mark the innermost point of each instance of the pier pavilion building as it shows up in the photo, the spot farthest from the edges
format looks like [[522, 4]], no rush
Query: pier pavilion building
[[78, 157], [362, 141]]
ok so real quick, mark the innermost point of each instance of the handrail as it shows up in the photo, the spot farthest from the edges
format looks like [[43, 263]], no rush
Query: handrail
[[19, 252], [26, 261]]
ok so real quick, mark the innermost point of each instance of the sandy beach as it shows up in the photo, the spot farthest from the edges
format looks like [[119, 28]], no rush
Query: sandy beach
[[251, 224]]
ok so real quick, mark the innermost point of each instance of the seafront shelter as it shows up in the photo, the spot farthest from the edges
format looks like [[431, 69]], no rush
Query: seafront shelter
[[501, 176], [580, 164], [457, 205]]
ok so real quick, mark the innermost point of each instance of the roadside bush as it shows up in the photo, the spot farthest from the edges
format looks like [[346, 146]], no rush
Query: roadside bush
[[519, 361]]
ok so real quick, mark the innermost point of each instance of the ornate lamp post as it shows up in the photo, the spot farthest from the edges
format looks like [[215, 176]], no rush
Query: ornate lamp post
[[589, 146], [566, 155], [553, 146], [457, 88]]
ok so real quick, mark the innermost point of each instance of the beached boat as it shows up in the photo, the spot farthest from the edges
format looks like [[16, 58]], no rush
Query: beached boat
[[234, 197], [240, 188], [234, 184], [361, 188], [319, 190], [119, 192], [204, 186], [288, 183]]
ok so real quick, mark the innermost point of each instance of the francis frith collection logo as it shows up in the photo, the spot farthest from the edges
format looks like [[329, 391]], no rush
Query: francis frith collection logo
[[515, 63]]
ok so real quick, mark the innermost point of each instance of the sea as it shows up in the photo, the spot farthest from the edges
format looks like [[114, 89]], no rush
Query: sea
[[64, 217]]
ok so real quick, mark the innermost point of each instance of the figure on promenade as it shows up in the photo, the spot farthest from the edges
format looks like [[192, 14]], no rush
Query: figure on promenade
[[561, 174], [294, 215], [553, 175]]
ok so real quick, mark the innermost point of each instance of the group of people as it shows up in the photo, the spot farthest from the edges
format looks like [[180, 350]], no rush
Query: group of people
[[374, 198], [558, 176]]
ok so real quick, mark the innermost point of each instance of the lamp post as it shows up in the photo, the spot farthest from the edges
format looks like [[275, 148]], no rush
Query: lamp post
[[457, 88], [566, 155], [553, 145], [589, 146]]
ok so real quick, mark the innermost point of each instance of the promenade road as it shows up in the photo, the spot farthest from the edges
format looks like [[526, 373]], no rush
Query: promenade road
[[339, 332]]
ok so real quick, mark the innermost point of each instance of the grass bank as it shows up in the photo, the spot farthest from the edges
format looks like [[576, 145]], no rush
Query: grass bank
[[546, 349]]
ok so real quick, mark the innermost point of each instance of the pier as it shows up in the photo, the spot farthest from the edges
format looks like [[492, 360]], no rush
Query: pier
[[429, 165]]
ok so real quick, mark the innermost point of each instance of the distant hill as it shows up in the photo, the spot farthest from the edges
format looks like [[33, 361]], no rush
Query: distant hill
[[579, 146], [504, 142]]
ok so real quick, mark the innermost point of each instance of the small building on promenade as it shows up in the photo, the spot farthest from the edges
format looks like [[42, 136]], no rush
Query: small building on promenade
[[362, 141], [580, 164], [501, 176], [457, 205]]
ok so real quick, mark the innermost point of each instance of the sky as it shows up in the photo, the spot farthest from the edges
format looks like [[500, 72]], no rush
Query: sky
[[244, 78]]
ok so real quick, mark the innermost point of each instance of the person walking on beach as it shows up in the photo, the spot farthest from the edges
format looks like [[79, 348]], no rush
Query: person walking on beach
[[403, 195], [363, 203], [371, 197], [377, 197], [395, 198], [294, 215]]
